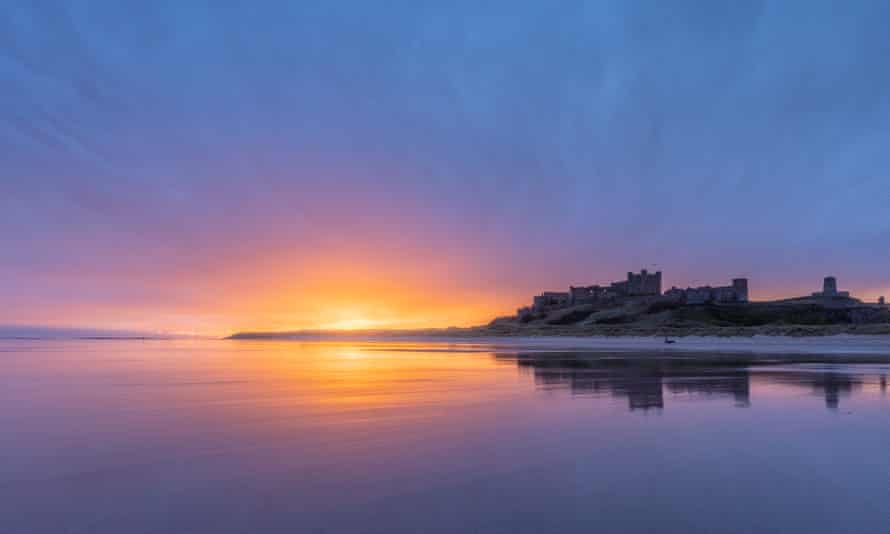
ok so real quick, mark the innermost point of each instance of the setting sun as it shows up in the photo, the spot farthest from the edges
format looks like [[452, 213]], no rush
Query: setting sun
[[356, 324]]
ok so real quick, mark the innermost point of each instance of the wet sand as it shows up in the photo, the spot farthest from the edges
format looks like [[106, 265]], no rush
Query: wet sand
[[842, 347], [443, 435]]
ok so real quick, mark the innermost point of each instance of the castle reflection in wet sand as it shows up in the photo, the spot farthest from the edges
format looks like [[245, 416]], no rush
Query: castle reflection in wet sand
[[645, 381]]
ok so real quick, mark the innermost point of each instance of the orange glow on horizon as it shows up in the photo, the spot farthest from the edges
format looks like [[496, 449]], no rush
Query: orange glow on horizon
[[349, 288], [348, 283]]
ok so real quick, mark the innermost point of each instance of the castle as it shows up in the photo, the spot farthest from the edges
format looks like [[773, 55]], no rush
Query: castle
[[645, 287], [642, 284], [638, 286]]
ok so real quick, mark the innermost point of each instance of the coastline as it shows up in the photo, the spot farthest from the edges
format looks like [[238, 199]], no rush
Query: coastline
[[863, 347], [773, 346], [780, 331], [508, 331]]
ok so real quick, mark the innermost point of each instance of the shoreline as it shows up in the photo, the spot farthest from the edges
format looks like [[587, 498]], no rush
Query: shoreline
[[778, 331], [869, 348], [502, 331], [612, 331]]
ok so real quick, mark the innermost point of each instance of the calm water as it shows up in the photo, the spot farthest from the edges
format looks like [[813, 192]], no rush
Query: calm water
[[219, 436]]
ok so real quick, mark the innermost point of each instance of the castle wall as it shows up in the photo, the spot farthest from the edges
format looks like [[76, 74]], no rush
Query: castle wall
[[737, 292], [637, 285], [550, 300]]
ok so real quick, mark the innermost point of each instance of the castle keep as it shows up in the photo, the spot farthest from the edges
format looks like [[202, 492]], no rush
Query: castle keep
[[643, 284], [637, 285]]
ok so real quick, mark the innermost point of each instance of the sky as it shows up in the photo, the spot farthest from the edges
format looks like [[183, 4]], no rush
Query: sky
[[208, 167]]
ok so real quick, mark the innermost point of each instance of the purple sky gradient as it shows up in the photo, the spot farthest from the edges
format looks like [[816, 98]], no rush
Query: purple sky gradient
[[197, 167]]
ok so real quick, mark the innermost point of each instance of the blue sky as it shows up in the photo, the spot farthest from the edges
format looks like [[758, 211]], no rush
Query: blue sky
[[157, 154]]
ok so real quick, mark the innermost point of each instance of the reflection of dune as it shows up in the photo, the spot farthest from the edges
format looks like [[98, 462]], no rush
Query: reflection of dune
[[643, 380]]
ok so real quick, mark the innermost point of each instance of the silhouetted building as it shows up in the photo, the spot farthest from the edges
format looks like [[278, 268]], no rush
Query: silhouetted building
[[642, 286], [589, 294], [829, 289], [549, 300], [638, 285], [737, 292], [740, 286]]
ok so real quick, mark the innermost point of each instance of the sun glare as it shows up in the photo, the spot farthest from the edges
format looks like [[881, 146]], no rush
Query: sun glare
[[358, 323]]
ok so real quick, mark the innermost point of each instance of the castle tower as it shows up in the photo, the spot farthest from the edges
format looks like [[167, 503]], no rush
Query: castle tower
[[829, 286], [645, 283], [740, 285]]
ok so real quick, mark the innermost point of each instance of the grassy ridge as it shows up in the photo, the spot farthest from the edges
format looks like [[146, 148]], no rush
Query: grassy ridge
[[665, 318]]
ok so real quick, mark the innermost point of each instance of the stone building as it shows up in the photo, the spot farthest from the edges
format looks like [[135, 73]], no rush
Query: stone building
[[737, 292], [550, 300], [829, 289], [642, 284], [588, 294], [638, 285]]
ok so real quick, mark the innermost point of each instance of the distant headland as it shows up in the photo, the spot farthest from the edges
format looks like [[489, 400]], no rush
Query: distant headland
[[637, 306]]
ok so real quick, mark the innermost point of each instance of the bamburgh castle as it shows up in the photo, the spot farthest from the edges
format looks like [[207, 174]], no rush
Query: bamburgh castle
[[636, 285], [645, 287]]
